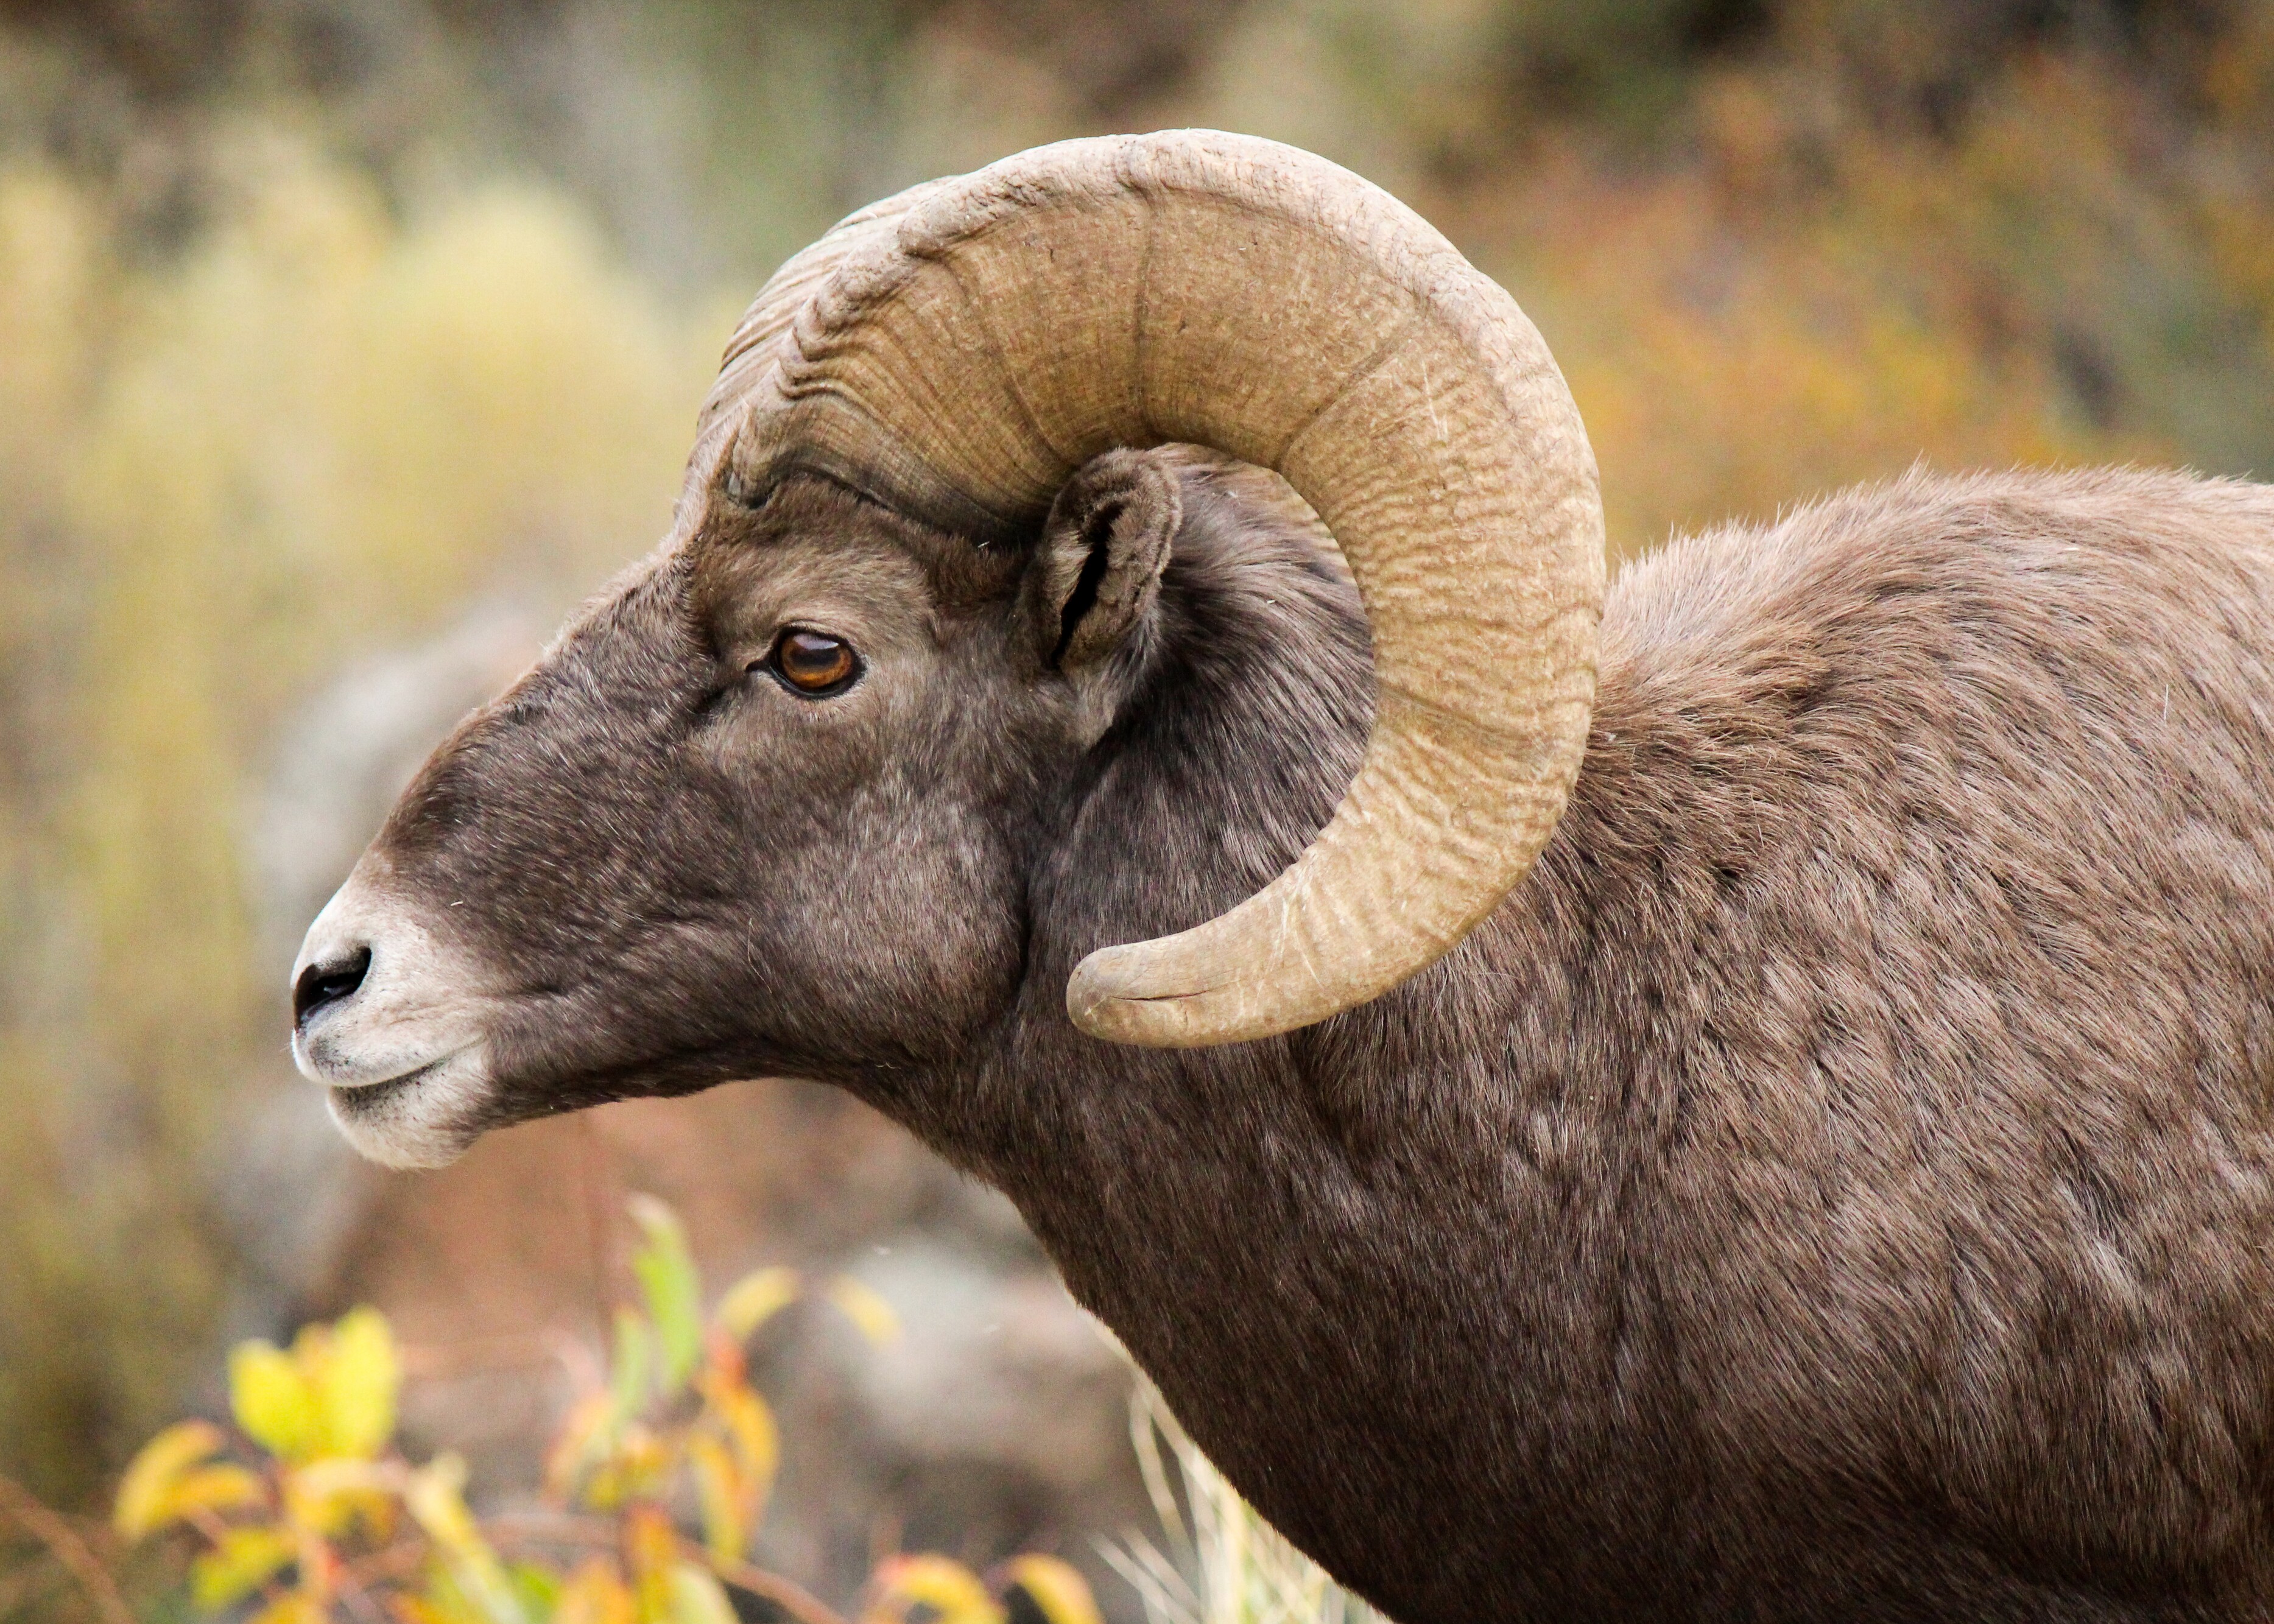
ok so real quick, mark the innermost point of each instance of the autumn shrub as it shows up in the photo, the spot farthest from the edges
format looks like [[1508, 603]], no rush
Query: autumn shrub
[[307, 1513]]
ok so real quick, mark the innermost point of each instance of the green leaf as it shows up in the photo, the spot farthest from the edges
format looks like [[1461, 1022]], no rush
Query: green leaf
[[672, 1288], [445, 1600], [537, 1587], [628, 1373], [246, 1560], [271, 1400], [357, 1381]]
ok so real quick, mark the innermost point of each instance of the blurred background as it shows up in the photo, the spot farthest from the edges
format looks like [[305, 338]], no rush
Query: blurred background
[[345, 343]]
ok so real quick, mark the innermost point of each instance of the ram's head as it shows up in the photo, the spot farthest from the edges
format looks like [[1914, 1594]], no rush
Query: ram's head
[[771, 806]]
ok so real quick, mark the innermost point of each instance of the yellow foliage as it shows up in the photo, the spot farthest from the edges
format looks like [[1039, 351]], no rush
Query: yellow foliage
[[243, 1561], [720, 1495], [435, 1496], [325, 1411], [1060, 1595], [146, 1498], [53, 285], [272, 1402], [860, 1303], [651, 1552], [585, 1436], [1815, 302], [224, 1487], [330, 1496], [594, 1595], [332, 1395], [952, 1592], [695, 1597], [355, 1373], [755, 1298], [755, 1439], [292, 1608]]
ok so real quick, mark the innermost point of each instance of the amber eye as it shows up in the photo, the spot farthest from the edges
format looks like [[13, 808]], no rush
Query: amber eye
[[814, 662]]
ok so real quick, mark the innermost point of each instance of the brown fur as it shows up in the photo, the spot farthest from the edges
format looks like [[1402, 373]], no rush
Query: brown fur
[[1836, 1184]]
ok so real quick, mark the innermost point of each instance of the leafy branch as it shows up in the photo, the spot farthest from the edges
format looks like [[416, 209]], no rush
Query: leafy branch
[[309, 1514]]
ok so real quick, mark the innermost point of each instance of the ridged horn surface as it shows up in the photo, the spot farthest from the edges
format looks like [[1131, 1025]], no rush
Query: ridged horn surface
[[957, 351]]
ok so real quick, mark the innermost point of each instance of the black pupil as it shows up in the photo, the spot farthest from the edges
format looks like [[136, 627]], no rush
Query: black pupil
[[811, 660]]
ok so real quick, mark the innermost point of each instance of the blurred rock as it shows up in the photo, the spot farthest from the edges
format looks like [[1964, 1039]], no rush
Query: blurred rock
[[997, 1423], [290, 1191]]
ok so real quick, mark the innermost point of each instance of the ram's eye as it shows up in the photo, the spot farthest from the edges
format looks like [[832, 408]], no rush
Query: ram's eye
[[814, 662]]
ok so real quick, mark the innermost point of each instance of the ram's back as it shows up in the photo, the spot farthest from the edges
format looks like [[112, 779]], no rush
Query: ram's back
[[1920, 883]]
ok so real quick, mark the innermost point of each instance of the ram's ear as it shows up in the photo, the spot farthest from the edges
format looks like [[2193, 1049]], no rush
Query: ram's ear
[[1098, 569]]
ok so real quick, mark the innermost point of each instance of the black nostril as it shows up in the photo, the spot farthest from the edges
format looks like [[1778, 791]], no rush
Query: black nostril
[[320, 984]]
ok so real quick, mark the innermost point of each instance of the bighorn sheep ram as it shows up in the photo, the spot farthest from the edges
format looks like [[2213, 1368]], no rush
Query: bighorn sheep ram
[[1762, 1113]]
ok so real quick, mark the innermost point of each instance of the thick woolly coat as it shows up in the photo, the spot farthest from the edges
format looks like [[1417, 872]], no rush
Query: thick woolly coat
[[1837, 1184]]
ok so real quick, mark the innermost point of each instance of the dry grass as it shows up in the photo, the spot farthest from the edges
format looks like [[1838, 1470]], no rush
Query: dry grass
[[1222, 1563]]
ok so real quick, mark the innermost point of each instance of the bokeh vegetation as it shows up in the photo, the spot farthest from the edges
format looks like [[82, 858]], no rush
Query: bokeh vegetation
[[309, 1513], [319, 321]]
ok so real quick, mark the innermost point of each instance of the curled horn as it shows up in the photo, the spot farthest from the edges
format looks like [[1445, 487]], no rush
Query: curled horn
[[957, 351]]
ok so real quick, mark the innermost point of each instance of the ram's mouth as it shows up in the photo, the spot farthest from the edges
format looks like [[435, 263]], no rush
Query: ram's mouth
[[424, 1117], [393, 1019], [365, 1098]]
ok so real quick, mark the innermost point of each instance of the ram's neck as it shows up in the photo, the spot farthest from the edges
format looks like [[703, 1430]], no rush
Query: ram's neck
[[1615, 1264], [1293, 1235]]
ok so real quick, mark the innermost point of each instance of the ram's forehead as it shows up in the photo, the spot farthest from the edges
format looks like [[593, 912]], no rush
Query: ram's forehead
[[861, 587], [810, 532]]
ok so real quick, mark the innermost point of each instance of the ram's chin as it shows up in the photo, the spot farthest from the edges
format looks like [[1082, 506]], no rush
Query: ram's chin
[[427, 1119]]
